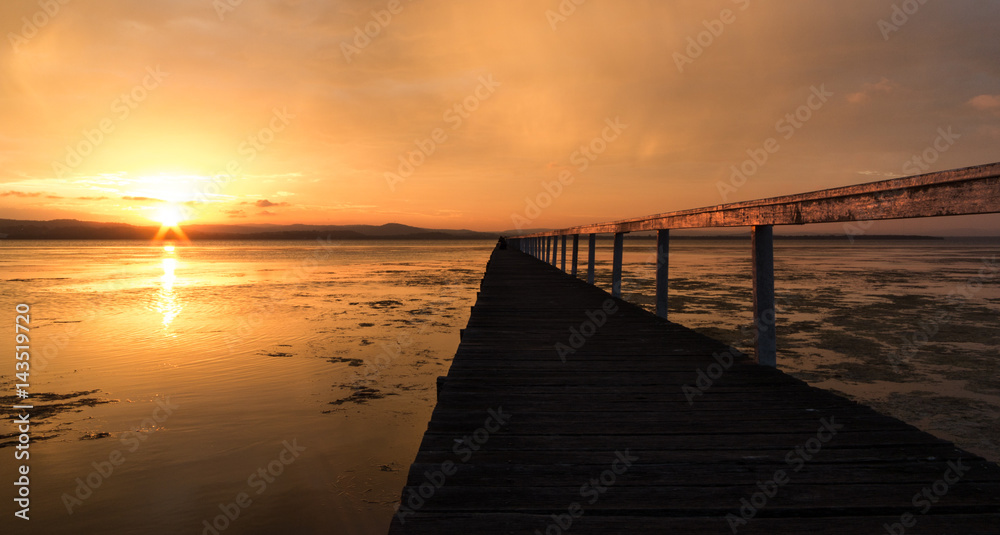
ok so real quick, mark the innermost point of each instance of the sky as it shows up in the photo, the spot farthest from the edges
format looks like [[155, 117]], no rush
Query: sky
[[484, 115]]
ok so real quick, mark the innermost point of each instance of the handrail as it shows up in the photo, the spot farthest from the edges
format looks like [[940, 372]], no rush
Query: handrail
[[965, 191]]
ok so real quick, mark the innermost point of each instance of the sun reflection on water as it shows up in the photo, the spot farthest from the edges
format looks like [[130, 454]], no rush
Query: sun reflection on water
[[167, 302]]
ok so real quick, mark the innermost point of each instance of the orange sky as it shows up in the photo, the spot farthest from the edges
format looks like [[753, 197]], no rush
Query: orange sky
[[118, 110]]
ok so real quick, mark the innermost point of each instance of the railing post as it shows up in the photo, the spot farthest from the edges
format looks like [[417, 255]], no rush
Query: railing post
[[592, 243], [555, 250], [764, 318], [616, 265], [576, 253], [564, 253], [662, 271]]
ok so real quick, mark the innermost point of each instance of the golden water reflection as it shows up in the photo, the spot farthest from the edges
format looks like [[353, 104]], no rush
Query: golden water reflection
[[167, 301]]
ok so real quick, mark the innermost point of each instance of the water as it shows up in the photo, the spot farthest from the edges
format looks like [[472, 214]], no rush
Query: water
[[204, 361], [290, 382]]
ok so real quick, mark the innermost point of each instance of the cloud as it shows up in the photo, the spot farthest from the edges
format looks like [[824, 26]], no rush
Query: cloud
[[265, 213], [985, 102], [883, 86], [988, 103], [54, 197], [141, 199], [20, 194], [234, 213], [264, 203], [92, 198]]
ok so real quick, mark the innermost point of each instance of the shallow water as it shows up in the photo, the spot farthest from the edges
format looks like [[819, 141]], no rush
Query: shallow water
[[202, 366], [248, 346]]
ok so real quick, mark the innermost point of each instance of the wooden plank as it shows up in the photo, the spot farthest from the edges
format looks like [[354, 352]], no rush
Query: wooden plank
[[795, 498], [464, 523], [708, 474], [887, 455]]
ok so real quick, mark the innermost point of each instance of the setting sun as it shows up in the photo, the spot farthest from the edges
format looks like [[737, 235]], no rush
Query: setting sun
[[170, 218]]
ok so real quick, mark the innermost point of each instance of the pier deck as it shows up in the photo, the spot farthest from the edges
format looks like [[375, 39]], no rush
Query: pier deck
[[637, 425]]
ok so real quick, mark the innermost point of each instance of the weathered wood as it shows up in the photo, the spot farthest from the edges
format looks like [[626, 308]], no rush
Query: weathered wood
[[662, 271], [528, 522], [591, 255], [576, 253], [966, 191], [616, 265], [764, 313], [705, 425], [563, 266]]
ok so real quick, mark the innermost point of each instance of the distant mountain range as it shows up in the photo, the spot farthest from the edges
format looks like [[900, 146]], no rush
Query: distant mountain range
[[72, 229]]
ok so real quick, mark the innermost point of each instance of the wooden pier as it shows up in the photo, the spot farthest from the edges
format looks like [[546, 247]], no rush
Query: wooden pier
[[519, 437], [568, 410]]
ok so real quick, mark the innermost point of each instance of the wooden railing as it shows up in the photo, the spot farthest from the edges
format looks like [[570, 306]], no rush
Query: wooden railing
[[967, 191]]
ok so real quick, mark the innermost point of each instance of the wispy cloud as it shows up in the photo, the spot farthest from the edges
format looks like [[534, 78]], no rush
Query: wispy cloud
[[871, 90], [141, 199], [987, 103]]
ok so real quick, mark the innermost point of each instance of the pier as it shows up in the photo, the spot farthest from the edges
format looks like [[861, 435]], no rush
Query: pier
[[569, 410]]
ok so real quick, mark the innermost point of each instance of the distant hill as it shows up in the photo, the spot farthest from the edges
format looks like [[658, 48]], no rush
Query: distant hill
[[72, 229]]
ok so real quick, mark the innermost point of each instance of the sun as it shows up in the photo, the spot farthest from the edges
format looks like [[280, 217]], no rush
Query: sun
[[170, 218]]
